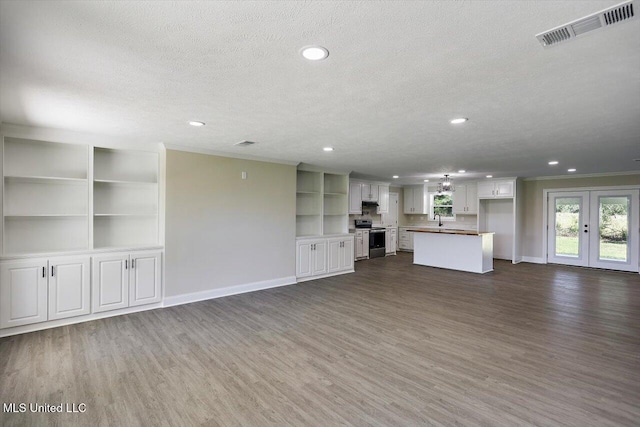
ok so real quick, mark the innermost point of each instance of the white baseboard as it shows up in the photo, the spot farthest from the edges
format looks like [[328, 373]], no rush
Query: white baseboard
[[229, 290], [533, 259], [322, 276]]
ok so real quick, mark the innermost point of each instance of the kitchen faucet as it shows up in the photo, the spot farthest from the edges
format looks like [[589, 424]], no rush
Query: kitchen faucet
[[439, 219]]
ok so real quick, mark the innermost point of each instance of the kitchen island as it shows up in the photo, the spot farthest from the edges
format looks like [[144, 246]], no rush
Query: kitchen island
[[463, 250]]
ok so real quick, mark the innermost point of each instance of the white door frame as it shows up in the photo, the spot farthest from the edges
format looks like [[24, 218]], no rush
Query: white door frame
[[583, 259], [545, 202]]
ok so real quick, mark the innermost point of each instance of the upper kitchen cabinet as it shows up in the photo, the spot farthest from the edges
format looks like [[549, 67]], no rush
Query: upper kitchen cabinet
[[465, 199], [415, 200], [495, 189], [369, 192], [362, 191]]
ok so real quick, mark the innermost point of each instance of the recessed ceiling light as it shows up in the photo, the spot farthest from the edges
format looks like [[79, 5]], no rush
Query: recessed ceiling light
[[426, 180], [195, 123], [459, 120], [314, 53], [553, 162], [571, 170], [395, 177], [461, 171], [489, 176], [328, 148]]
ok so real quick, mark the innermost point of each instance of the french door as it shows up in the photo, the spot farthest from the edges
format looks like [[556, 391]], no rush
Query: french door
[[594, 229]]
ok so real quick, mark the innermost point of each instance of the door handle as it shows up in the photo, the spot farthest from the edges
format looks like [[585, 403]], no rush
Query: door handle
[[52, 273], [133, 263], [44, 271], [126, 264]]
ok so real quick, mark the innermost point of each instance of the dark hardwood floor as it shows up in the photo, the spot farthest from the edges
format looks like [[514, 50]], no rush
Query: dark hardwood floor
[[392, 345]]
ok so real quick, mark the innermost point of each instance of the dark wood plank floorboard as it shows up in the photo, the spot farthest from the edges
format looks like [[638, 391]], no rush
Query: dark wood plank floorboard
[[392, 345]]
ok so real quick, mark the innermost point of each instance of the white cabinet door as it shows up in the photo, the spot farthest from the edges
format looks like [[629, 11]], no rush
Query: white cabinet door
[[355, 198], [69, 287], [504, 189], [145, 278], [383, 199], [23, 292], [358, 244], [365, 191], [460, 200], [394, 240], [486, 190], [303, 258], [319, 257], [110, 282], [472, 198], [365, 243], [346, 255], [419, 205], [408, 200], [333, 263]]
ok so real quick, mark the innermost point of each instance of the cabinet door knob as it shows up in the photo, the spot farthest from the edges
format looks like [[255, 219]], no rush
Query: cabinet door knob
[[133, 263], [44, 271], [126, 264], [52, 273]]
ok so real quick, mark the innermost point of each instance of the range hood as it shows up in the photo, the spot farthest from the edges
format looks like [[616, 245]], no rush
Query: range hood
[[369, 204]]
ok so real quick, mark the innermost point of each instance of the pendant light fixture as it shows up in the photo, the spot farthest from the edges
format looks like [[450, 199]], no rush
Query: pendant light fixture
[[446, 185]]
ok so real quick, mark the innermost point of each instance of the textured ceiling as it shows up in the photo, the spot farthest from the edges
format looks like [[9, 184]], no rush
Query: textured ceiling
[[396, 74]]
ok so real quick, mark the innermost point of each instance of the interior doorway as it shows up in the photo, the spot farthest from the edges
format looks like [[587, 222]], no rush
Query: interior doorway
[[594, 228]]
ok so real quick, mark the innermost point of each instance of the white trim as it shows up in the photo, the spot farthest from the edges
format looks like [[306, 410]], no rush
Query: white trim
[[73, 320], [88, 252], [585, 175], [70, 137], [322, 276], [203, 150], [229, 290], [533, 260]]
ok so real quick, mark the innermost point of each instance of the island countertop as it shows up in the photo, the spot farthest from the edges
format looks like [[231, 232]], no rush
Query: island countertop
[[452, 231]]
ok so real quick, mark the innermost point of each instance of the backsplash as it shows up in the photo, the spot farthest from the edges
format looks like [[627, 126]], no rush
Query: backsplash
[[462, 222]]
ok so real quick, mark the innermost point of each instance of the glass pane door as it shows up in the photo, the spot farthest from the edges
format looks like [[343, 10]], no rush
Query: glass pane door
[[613, 243], [568, 228]]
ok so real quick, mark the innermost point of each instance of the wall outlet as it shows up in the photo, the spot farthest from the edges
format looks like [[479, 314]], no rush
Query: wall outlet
[[244, 175]]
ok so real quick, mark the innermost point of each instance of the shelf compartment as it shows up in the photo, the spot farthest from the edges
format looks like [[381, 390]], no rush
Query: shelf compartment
[[308, 225], [335, 183], [335, 224], [125, 166], [45, 197], [118, 198], [308, 204], [335, 205], [45, 160], [41, 234], [309, 182], [124, 231]]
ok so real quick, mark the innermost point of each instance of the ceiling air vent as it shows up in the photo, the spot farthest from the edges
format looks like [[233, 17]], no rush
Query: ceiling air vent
[[244, 143], [613, 15]]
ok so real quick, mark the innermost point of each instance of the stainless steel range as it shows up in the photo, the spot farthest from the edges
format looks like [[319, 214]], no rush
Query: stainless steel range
[[377, 237]]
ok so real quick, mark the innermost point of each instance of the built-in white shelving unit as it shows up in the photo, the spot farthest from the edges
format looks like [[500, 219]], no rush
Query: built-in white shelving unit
[[125, 198], [45, 197], [321, 203]]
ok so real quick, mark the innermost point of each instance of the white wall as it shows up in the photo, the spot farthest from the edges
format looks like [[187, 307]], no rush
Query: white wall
[[223, 231]]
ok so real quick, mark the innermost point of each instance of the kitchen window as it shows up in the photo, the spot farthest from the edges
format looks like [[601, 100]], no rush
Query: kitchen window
[[442, 204]]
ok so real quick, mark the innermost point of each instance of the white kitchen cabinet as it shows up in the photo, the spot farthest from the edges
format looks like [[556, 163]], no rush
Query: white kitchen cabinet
[[465, 199], [369, 192], [145, 285], [405, 240], [69, 287], [126, 280], [383, 199], [391, 241], [23, 292], [110, 282], [311, 257], [495, 189], [355, 198], [340, 254], [415, 200]]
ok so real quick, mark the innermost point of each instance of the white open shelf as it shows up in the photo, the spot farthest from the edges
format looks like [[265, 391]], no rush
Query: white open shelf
[[124, 166], [322, 204], [24, 235], [44, 160], [124, 231]]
